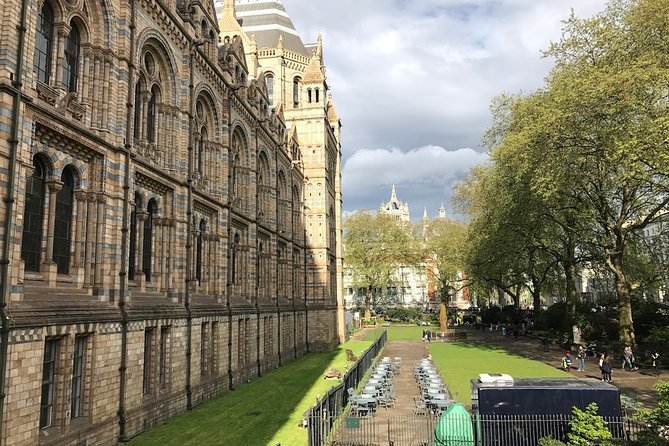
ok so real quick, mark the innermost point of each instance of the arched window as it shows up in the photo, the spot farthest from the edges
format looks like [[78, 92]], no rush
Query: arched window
[[269, 83], [317, 95], [62, 238], [33, 217], [235, 177], [151, 114], [202, 138], [137, 133], [198, 248], [147, 253], [309, 95], [44, 43], [132, 250], [238, 150], [260, 270], [296, 92], [233, 259], [71, 59]]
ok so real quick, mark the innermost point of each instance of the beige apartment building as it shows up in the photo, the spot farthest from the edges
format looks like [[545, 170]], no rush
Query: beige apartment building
[[171, 225]]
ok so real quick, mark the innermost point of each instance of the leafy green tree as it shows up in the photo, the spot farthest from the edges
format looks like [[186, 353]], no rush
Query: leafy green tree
[[375, 246], [580, 169], [444, 244], [606, 147]]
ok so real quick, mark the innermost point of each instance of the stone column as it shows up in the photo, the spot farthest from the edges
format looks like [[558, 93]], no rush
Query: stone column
[[90, 238], [62, 31], [159, 231], [50, 267], [193, 279], [139, 248], [79, 234], [99, 240]]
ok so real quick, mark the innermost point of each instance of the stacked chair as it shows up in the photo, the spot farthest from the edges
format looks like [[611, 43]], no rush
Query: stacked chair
[[378, 390], [434, 397]]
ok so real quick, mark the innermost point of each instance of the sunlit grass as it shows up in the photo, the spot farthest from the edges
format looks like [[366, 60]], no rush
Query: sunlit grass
[[266, 411], [459, 363], [401, 332]]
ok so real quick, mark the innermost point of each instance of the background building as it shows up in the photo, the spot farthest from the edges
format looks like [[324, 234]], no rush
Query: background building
[[171, 223]]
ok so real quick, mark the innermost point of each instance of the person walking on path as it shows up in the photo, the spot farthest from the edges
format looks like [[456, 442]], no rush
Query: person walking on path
[[656, 362], [605, 367], [566, 362], [628, 358], [580, 358]]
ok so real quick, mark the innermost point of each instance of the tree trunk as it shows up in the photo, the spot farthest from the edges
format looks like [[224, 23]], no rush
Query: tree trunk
[[536, 299], [625, 321], [569, 265], [368, 303], [570, 290]]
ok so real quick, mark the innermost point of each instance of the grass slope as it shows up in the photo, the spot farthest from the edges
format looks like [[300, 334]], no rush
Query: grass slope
[[264, 412]]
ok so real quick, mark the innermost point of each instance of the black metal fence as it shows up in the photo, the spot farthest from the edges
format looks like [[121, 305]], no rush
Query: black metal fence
[[429, 430], [322, 417]]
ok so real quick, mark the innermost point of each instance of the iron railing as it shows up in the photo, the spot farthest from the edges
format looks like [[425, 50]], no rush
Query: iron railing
[[321, 418], [476, 430]]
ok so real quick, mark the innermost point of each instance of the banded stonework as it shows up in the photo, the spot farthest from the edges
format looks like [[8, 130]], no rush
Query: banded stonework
[[171, 221]]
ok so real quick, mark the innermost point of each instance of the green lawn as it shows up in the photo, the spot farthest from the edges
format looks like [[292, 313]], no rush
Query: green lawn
[[264, 412], [458, 363], [400, 332]]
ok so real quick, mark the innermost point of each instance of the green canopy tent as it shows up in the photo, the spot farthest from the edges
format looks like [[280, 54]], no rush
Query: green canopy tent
[[454, 427]]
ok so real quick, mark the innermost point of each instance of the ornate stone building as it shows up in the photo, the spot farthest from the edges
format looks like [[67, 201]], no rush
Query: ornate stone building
[[171, 217]]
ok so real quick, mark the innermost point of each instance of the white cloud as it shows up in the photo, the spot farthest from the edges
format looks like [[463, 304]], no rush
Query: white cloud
[[420, 73], [423, 177]]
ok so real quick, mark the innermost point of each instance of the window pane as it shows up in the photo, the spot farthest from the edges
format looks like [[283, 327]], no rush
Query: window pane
[[43, 43], [77, 377], [48, 369], [71, 59]]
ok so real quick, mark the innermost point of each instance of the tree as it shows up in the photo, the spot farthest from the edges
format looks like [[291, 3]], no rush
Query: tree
[[606, 148], [444, 245], [589, 155], [375, 246]]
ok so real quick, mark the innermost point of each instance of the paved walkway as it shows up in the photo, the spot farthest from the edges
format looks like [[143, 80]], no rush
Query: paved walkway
[[405, 384]]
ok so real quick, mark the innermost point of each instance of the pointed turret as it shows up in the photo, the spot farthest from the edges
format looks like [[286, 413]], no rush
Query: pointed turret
[[426, 218], [442, 211]]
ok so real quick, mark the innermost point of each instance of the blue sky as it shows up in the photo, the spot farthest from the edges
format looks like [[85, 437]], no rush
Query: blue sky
[[412, 81]]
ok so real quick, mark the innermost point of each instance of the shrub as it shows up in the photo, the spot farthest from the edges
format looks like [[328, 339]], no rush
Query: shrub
[[588, 428]]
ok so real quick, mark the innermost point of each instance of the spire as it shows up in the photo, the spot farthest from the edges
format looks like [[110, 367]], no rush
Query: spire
[[319, 46], [442, 211], [393, 195], [425, 216]]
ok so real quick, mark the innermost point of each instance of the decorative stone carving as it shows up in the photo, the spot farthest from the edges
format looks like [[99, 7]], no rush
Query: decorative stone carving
[[46, 93]]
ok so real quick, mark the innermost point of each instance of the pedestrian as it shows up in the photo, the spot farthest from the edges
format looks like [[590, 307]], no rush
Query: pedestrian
[[605, 367], [580, 358], [627, 357], [566, 362], [656, 362]]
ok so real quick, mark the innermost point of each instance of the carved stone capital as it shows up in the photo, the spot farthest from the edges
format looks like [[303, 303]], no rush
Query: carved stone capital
[[54, 185], [80, 195], [142, 215]]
